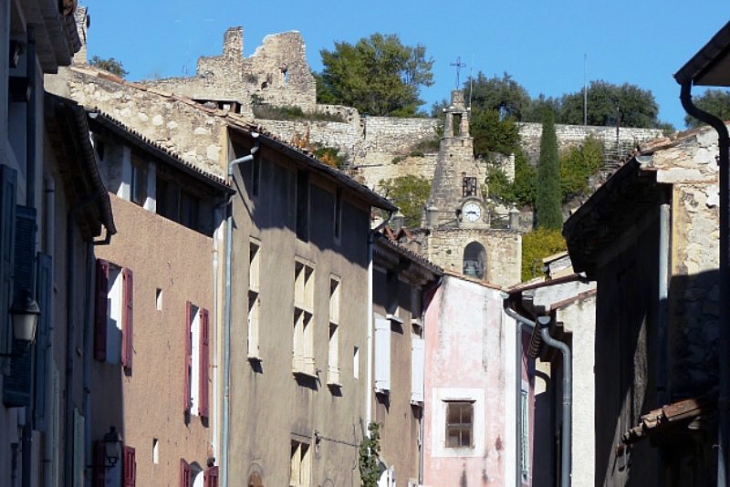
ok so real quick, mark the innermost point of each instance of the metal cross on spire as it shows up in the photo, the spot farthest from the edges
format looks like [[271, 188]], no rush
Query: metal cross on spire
[[458, 65]]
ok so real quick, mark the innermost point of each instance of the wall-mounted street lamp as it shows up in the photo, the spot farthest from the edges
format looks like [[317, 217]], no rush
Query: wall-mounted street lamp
[[112, 447], [24, 314]]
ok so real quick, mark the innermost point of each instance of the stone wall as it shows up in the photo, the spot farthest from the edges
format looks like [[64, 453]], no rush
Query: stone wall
[[277, 73], [690, 167], [180, 126], [503, 250]]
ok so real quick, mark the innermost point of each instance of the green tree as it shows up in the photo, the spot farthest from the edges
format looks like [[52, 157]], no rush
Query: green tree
[[109, 64], [538, 105], [715, 102], [377, 75], [577, 165], [547, 201], [369, 457], [503, 95], [492, 134], [536, 245], [409, 193], [522, 190], [609, 104]]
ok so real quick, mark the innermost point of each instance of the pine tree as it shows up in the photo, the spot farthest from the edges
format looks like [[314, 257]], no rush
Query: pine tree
[[547, 201]]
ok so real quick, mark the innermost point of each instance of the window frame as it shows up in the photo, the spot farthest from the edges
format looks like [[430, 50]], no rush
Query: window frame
[[460, 426]]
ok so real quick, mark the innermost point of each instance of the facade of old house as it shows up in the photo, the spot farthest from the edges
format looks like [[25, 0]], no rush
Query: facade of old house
[[154, 337], [52, 207], [648, 236], [470, 397], [401, 281], [568, 303], [298, 318]]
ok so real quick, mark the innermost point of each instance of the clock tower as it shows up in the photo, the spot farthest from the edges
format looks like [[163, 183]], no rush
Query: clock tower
[[458, 231]]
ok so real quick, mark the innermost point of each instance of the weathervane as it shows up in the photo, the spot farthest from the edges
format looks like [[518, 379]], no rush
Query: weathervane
[[458, 65]]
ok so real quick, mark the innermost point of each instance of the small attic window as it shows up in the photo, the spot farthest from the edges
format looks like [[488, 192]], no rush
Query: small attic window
[[285, 72]]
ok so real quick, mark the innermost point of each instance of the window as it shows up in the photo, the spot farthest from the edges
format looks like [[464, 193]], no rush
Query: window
[[186, 474], [459, 422], [197, 357], [337, 224], [158, 299], [303, 349], [155, 451], [210, 478], [129, 467], [255, 176], [176, 204], [189, 206], [417, 369], [138, 186], [382, 355], [113, 315], [254, 304], [300, 464], [356, 362], [303, 206], [524, 434], [468, 185], [333, 364]]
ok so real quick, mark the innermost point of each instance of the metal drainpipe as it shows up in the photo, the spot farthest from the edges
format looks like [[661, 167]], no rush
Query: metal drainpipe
[[543, 323], [723, 401], [663, 335], [50, 231], [522, 322], [227, 316]]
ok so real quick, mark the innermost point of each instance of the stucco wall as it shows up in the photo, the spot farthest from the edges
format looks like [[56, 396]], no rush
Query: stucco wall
[[466, 354], [149, 403], [270, 406]]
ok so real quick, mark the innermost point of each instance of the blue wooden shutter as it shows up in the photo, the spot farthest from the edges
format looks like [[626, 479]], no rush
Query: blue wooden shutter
[[18, 386], [43, 340], [8, 184]]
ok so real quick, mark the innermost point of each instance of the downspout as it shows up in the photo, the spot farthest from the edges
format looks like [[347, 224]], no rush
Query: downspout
[[370, 352], [663, 332], [227, 318], [543, 322], [68, 456], [522, 323], [723, 401]]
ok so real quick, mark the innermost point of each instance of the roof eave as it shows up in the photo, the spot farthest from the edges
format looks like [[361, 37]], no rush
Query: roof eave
[[709, 67]]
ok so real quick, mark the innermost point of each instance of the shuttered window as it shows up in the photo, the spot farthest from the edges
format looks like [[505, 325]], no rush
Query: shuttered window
[[43, 341], [417, 369], [17, 387], [101, 309], [127, 320], [186, 474], [204, 362], [129, 467], [382, 355], [8, 178], [187, 396], [98, 470], [211, 477]]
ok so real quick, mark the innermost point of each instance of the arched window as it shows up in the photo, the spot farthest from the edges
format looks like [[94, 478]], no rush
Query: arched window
[[254, 480], [475, 260]]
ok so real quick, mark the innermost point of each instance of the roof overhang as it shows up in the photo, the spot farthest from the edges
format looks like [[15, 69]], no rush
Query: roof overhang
[[303, 159], [711, 65]]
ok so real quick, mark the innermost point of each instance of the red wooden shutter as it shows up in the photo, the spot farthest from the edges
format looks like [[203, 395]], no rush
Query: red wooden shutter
[[127, 321], [98, 469], [204, 362], [130, 467], [188, 359], [100, 310], [186, 477], [211, 477]]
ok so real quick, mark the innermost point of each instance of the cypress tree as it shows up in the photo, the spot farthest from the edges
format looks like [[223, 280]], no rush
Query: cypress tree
[[547, 202]]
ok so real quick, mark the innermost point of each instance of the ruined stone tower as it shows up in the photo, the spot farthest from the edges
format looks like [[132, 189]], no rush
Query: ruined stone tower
[[458, 234]]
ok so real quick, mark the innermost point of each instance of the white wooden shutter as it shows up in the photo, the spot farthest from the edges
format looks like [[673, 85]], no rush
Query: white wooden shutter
[[417, 369], [382, 355]]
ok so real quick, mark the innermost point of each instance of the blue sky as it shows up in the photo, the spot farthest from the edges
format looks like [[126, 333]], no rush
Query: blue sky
[[541, 44]]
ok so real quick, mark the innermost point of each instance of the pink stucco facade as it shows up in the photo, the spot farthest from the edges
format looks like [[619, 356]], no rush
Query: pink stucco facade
[[470, 359]]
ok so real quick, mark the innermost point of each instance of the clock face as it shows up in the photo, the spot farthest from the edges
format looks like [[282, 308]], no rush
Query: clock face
[[472, 211]]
